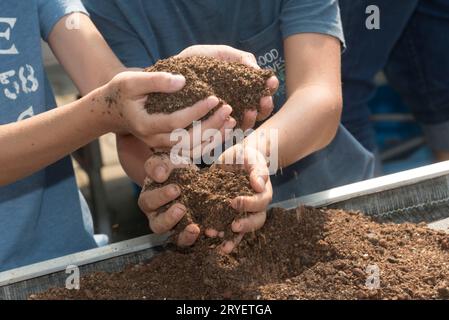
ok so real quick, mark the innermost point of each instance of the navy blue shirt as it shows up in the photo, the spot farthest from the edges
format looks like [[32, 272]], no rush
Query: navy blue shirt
[[40, 216]]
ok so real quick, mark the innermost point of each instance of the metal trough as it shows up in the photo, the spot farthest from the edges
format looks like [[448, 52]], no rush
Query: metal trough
[[416, 195]]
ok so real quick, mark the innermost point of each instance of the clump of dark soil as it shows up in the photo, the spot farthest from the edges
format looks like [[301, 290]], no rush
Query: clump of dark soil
[[206, 194], [234, 83], [299, 254]]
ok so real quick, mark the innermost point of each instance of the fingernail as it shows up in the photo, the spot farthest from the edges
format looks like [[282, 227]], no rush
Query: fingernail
[[261, 182], [237, 227], [230, 124], [212, 102], [175, 191], [225, 113], [234, 204], [160, 172], [178, 212], [178, 81]]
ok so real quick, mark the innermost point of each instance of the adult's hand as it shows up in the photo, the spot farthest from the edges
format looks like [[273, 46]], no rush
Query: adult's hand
[[230, 54], [253, 162]]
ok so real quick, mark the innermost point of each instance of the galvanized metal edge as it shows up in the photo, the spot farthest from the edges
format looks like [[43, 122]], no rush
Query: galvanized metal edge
[[81, 258], [370, 186]]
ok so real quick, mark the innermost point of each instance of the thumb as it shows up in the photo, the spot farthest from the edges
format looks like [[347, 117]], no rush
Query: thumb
[[258, 178]]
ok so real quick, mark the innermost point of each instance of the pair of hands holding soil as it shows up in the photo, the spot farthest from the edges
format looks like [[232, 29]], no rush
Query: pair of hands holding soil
[[162, 201], [226, 200]]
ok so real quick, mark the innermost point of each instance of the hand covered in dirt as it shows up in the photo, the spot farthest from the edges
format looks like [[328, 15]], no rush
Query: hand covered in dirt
[[158, 168], [231, 54], [125, 97], [254, 163]]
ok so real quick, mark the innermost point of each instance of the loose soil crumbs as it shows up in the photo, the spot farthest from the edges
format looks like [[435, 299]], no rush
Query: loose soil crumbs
[[206, 194], [234, 83], [299, 254]]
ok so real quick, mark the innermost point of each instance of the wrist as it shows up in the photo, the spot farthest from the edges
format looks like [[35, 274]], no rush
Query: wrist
[[104, 108]]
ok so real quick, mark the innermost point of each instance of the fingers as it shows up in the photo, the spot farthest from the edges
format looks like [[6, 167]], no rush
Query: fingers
[[266, 108], [218, 119], [258, 175], [231, 54], [256, 165], [196, 112], [182, 118], [273, 84], [250, 60], [159, 167], [228, 246], [266, 103], [166, 221], [152, 200], [260, 182], [212, 127], [188, 236], [136, 84], [212, 233], [249, 120], [211, 141], [251, 223], [255, 203], [222, 52]]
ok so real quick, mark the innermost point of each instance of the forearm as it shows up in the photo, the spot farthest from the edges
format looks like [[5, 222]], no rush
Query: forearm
[[309, 119], [34, 143], [305, 124], [84, 54]]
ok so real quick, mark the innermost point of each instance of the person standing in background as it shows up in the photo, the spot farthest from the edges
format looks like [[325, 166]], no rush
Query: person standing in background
[[409, 41]]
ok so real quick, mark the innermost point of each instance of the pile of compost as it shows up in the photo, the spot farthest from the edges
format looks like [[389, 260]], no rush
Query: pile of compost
[[303, 253]]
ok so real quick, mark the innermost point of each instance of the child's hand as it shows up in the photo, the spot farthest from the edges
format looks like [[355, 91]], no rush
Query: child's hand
[[125, 98], [158, 168]]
